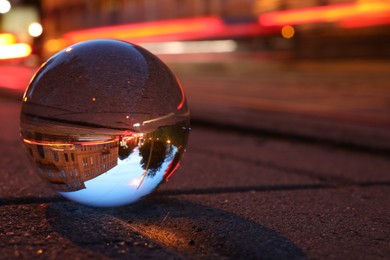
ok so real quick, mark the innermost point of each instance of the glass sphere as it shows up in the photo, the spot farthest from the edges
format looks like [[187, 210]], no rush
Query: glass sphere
[[104, 122]]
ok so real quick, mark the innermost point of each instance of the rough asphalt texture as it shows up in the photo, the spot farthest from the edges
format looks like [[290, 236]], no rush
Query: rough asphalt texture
[[236, 195]]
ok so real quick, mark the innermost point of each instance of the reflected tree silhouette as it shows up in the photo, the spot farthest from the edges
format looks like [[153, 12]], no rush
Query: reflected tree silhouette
[[159, 146], [125, 151], [176, 134], [153, 154]]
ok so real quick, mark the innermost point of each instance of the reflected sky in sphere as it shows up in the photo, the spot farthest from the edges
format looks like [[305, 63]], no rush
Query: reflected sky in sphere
[[122, 185]]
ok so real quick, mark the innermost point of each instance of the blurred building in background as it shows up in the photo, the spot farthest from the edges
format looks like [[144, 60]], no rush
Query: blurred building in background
[[305, 28]]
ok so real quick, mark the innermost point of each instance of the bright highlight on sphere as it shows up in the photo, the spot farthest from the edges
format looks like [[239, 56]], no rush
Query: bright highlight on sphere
[[5, 6], [104, 122], [35, 29]]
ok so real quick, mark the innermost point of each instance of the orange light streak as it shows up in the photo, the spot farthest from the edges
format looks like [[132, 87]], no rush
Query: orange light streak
[[328, 13], [148, 29], [46, 143], [127, 138], [168, 30]]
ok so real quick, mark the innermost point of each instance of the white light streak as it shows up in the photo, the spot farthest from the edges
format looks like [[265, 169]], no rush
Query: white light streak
[[218, 46]]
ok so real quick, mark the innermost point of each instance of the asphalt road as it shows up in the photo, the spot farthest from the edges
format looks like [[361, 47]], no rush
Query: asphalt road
[[238, 194], [342, 101]]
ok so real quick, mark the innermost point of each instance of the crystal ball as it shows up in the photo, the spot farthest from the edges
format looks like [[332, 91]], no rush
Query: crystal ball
[[104, 122]]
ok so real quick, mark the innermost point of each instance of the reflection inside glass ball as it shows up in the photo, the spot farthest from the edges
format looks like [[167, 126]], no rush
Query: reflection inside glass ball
[[104, 122]]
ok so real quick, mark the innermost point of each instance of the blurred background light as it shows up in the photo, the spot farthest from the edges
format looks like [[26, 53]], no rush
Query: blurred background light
[[288, 31], [5, 6], [218, 46], [14, 51], [326, 13], [35, 29], [212, 26], [7, 38], [18, 20], [54, 45], [164, 30]]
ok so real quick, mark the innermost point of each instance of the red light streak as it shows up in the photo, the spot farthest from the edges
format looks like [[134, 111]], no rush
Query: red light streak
[[19, 82], [365, 21], [183, 98], [169, 172]]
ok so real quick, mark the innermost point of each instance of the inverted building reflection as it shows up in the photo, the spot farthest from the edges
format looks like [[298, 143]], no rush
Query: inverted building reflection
[[68, 165], [98, 167]]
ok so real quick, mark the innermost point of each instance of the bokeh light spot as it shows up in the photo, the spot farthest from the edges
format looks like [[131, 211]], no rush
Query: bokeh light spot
[[35, 29], [288, 31]]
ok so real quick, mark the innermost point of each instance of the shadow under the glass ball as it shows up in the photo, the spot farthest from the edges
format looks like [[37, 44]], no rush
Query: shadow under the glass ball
[[179, 225]]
